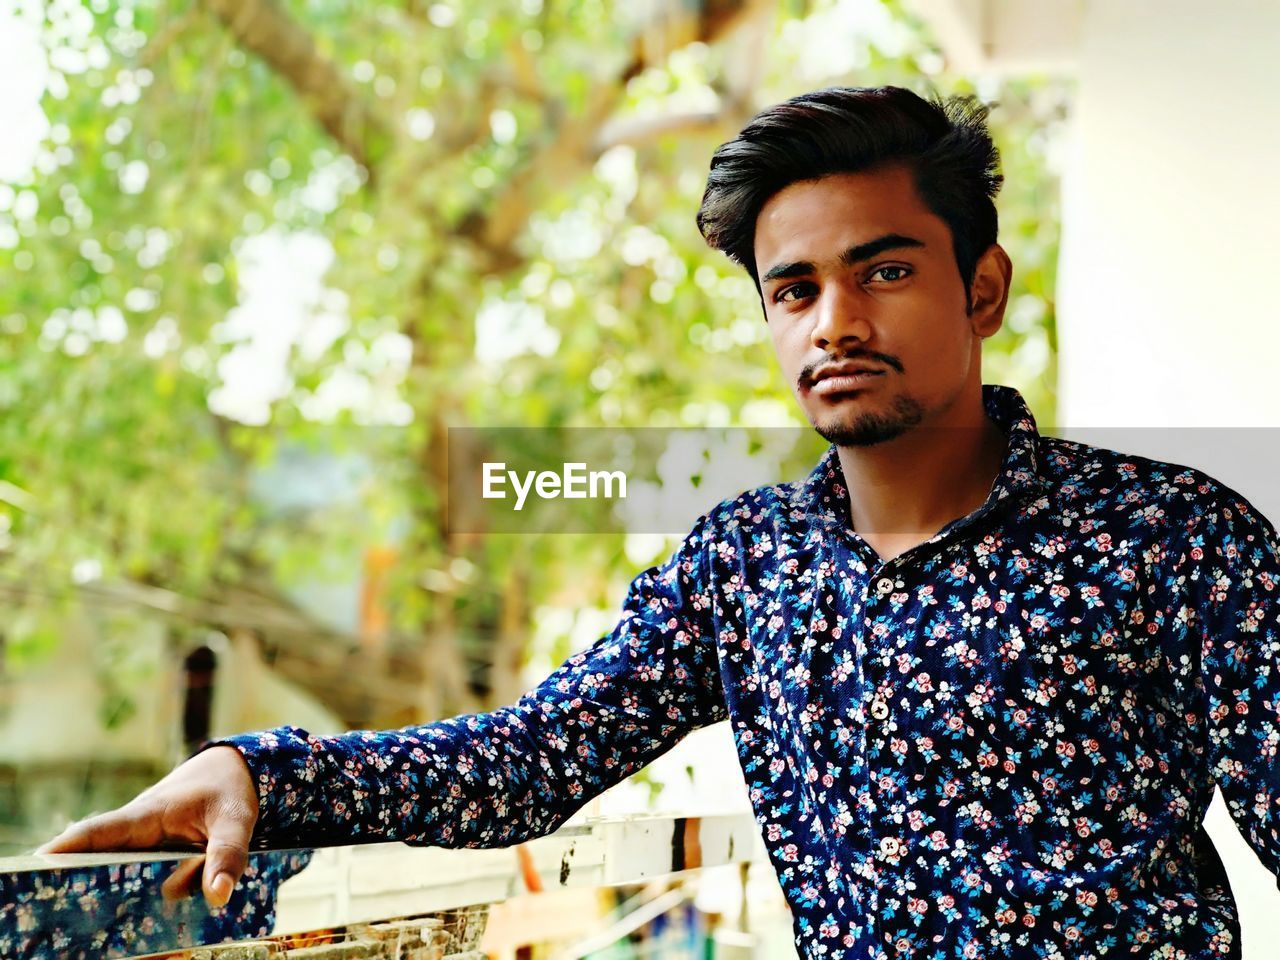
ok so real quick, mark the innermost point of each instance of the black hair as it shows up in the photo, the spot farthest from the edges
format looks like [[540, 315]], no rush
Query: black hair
[[943, 142]]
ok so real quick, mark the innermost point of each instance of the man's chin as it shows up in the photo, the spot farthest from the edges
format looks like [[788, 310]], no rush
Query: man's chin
[[868, 428], [857, 433]]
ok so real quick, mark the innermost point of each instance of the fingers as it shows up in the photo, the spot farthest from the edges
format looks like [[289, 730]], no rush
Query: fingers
[[122, 829], [178, 885], [223, 867], [227, 852], [210, 800]]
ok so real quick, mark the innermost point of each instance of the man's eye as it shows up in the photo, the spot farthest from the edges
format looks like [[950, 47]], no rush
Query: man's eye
[[897, 271], [782, 295]]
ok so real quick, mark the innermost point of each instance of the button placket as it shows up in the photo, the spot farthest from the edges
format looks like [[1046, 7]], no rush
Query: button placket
[[884, 840], [879, 589]]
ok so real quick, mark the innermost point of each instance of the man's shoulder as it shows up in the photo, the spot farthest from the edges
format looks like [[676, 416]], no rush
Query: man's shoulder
[[1160, 489]]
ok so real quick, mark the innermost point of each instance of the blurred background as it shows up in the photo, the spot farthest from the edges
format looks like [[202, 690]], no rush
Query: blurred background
[[258, 256]]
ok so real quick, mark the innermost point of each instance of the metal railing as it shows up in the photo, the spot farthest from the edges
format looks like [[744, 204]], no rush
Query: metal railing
[[386, 900]]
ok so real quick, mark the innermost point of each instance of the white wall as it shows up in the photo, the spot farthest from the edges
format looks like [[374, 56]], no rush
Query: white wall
[[1170, 272], [1169, 285], [51, 713], [52, 710], [249, 695]]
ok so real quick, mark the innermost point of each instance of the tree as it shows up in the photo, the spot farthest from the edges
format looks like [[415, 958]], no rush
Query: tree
[[495, 202]]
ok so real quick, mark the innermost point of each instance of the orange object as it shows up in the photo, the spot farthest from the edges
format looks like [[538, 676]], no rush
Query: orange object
[[373, 612], [532, 882]]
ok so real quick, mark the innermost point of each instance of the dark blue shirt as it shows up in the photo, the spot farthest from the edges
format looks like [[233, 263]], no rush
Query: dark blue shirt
[[999, 743]]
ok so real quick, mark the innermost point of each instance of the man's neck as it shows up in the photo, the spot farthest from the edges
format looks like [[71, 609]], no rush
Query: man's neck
[[903, 491]]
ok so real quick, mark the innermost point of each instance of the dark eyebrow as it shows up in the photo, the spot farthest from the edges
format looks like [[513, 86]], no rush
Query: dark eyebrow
[[856, 254]]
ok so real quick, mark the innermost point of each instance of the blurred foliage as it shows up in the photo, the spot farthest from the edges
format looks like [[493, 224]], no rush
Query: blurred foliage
[[482, 213]]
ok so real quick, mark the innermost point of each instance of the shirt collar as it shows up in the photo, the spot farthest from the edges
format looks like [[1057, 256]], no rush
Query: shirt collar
[[824, 497]]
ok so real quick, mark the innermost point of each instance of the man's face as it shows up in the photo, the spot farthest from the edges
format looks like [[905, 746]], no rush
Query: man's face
[[865, 304]]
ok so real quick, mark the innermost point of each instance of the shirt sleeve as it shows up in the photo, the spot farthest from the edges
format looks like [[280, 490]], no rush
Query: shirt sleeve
[[518, 772], [1231, 567]]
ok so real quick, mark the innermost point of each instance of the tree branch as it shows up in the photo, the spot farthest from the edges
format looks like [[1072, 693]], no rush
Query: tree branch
[[577, 140], [681, 24], [265, 28], [638, 131]]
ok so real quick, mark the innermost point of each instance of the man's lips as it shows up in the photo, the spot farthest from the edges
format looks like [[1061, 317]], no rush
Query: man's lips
[[842, 379]]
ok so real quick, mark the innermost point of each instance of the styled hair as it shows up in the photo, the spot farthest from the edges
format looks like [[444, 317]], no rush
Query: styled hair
[[944, 143]]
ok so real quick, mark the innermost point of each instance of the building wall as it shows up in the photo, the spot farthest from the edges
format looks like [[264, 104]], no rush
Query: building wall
[[54, 710], [1168, 280], [1169, 274], [61, 758]]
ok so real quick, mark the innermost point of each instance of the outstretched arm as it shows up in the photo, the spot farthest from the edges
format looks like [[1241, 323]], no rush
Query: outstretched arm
[[498, 778]]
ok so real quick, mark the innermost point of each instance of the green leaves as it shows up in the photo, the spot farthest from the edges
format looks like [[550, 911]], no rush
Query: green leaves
[[131, 297]]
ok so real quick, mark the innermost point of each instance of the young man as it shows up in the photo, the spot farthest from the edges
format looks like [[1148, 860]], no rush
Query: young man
[[982, 681]]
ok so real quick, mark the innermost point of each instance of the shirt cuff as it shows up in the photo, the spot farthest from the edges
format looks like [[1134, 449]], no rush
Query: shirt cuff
[[285, 769]]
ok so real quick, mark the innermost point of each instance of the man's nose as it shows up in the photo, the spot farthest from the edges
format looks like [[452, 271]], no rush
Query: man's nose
[[842, 314]]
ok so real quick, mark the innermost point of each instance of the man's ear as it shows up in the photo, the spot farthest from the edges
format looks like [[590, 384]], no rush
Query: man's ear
[[989, 291]]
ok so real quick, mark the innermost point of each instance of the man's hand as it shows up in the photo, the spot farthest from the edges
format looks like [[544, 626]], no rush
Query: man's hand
[[209, 800]]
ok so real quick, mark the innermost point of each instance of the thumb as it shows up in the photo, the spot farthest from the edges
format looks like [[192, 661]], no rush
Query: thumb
[[227, 852]]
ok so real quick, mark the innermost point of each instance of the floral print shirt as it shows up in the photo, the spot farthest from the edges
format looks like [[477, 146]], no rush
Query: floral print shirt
[[999, 743]]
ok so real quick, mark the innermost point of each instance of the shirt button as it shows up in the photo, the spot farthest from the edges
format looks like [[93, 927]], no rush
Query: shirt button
[[889, 845], [883, 586], [879, 709]]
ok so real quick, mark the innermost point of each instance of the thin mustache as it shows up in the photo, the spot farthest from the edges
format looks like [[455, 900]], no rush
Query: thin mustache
[[808, 373]]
